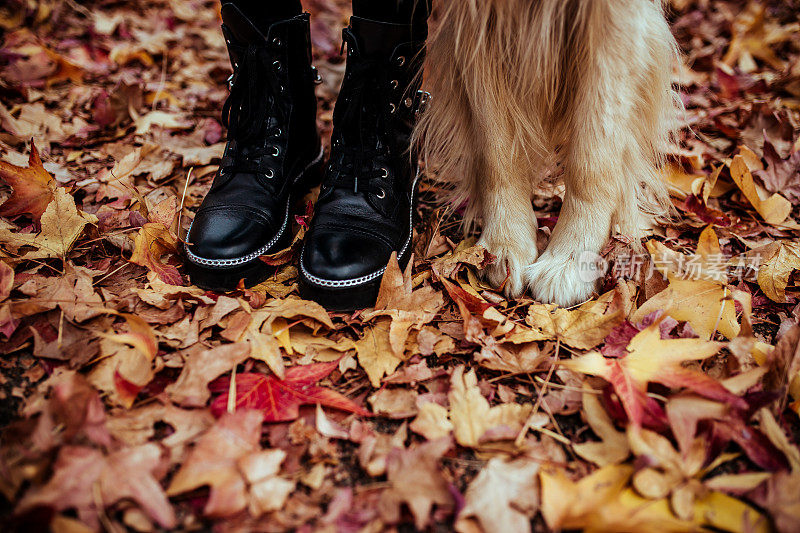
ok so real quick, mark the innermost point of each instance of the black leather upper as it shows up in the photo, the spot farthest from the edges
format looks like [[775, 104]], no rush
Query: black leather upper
[[272, 138], [364, 209]]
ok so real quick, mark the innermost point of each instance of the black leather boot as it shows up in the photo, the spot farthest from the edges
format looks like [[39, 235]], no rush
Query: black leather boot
[[366, 202], [272, 157]]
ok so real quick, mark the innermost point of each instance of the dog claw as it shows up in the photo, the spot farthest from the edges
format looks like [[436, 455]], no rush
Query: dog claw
[[508, 269], [559, 280]]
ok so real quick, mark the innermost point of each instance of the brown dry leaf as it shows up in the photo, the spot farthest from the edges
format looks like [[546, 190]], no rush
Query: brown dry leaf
[[375, 448], [707, 264], [780, 259], [265, 335], [215, 460], [82, 474], [33, 187], [582, 328], [162, 119], [464, 254], [73, 293], [201, 368], [514, 353], [126, 364], [395, 403], [504, 497], [61, 225], [137, 426], [268, 491], [6, 280], [408, 308], [416, 481]]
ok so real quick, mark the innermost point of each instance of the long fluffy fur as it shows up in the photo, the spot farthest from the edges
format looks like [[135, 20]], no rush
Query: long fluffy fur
[[516, 83]]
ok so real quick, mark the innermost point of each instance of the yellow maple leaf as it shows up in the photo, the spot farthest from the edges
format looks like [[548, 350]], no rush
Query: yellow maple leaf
[[582, 328], [375, 353], [774, 210], [653, 359]]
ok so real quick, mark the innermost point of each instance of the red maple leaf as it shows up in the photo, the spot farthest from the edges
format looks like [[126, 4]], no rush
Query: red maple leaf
[[280, 399]]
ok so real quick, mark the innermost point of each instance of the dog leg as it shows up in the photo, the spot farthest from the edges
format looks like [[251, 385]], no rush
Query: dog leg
[[509, 233], [567, 271], [615, 97]]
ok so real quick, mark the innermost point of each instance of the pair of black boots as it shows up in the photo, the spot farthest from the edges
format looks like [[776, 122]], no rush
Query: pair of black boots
[[273, 156]]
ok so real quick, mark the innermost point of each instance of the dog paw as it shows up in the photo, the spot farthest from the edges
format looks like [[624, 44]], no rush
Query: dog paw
[[563, 281], [508, 269]]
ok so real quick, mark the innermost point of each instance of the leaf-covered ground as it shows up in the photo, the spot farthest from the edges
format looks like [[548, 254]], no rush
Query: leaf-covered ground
[[134, 401]]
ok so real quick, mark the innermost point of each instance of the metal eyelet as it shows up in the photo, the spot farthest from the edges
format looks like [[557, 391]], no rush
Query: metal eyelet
[[408, 102], [277, 65], [276, 41], [269, 173], [392, 108], [384, 172], [276, 151], [317, 76], [394, 84], [401, 60], [381, 194], [278, 132]]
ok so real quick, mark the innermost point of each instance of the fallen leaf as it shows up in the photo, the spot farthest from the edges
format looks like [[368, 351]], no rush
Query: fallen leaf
[[280, 399], [582, 328], [707, 305], [81, 474], [504, 497], [32, 187], [774, 210], [61, 225], [375, 353], [408, 308], [653, 359], [152, 243], [213, 462], [416, 481], [613, 446], [473, 418], [780, 259], [201, 368]]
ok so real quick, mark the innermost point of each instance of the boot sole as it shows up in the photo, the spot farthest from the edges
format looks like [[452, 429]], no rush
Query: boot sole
[[359, 293], [222, 276]]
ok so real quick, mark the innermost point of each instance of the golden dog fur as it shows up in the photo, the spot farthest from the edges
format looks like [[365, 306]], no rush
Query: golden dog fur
[[518, 84]]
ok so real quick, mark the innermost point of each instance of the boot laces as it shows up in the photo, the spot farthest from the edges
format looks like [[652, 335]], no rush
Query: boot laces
[[362, 121], [251, 112]]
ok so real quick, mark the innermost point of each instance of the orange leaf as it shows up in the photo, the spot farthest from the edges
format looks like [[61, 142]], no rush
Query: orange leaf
[[33, 187], [280, 399], [153, 242]]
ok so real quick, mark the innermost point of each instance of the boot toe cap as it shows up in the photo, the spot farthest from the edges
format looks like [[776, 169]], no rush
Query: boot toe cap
[[340, 257], [230, 234]]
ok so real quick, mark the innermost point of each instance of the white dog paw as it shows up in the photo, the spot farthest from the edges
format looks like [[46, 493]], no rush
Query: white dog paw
[[508, 270], [560, 280]]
